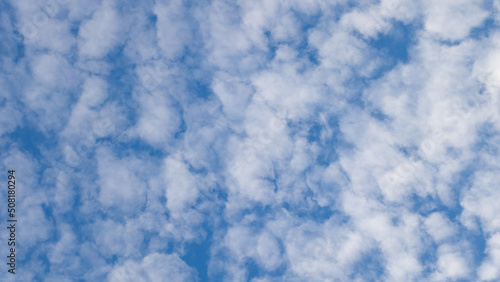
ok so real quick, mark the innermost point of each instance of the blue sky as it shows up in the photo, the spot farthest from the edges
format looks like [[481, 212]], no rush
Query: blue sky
[[252, 140]]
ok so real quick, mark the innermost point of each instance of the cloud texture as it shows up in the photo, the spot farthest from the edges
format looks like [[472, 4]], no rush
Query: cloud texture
[[252, 140]]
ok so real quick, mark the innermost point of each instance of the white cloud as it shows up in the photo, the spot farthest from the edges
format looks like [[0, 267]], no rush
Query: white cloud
[[115, 239], [64, 250], [94, 92], [268, 251], [369, 23], [52, 70], [154, 267], [452, 264], [173, 31], [101, 33], [78, 11], [158, 120], [453, 20], [54, 35], [84, 113], [122, 183], [376, 19], [341, 49], [322, 252], [481, 200], [10, 114], [439, 227], [489, 269], [142, 42], [233, 93], [64, 194], [181, 186]]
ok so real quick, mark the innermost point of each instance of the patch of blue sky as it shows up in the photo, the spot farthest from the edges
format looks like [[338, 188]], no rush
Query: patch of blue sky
[[199, 88], [487, 140], [370, 267], [133, 147], [477, 243], [257, 271], [379, 115], [328, 137], [197, 254], [488, 26], [427, 205], [29, 139], [261, 213], [11, 45], [394, 45], [485, 30], [312, 212], [121, 77]]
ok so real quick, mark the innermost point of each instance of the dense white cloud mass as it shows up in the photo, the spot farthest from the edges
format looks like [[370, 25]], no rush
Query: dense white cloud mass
[[255, 141]]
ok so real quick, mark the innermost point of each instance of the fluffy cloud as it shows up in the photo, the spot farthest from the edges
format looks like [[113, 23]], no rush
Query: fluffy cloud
[[158, 120], [154, 267], [453, 20], [102, 32], [121, 183]]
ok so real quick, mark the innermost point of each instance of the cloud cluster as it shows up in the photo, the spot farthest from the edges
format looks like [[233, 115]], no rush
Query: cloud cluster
[[253, 140]]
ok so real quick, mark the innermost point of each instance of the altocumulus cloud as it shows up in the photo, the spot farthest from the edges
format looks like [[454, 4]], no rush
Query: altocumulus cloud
[[252, 140]]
